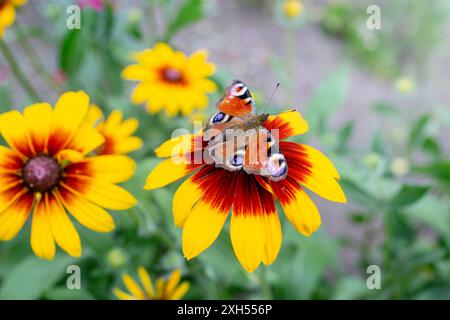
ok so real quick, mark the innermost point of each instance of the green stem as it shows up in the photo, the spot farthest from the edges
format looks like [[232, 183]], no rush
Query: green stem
[[31, 92], [30, 52]]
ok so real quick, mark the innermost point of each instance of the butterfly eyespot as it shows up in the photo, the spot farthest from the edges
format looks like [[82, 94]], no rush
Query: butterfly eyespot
[[236, 161], [277, 167], [220, 117]]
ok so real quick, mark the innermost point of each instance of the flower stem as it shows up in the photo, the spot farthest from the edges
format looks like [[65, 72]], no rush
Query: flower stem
[[31, 92], [30, 52]]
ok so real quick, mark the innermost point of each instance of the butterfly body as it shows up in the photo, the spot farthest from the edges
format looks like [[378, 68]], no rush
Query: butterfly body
[[238, 140]]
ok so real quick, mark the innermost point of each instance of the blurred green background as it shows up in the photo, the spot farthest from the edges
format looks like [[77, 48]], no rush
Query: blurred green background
[[378, 104]]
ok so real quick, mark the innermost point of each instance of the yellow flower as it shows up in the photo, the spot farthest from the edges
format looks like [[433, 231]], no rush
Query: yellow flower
[[46, 170], [169, 289], [116, 131], [400, 167], [404, 84], [202, 203], [169, 80], [8, 13], [292, 8]]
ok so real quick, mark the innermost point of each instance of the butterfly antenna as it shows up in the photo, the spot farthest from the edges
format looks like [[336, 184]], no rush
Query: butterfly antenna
[[271, 96]]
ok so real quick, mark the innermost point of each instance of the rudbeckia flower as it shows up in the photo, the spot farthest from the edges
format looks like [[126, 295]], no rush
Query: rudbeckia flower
[[46, 170], [8, 13], [202, 202], [116, 131], [171, 81], [169, 289]]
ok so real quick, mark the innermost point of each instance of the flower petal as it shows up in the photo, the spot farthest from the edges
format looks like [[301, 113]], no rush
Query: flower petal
[[86, 139], [62, 228], [207, 217], [42, 241], [289, 123], [299, 209], [122, 295], [38, 119], [184, 200], [167, 172], [146, 282], [133, 287], [180, 291], [13, 218], [255, 228], [15, 132], [109, 168], [70, 111], [88, 214]]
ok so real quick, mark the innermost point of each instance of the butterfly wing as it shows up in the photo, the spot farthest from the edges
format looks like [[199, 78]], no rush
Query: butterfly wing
[[237, 101]]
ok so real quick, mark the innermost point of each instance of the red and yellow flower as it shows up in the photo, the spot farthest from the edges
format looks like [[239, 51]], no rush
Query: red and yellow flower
[[202, 202], [8, 13], [170, 289], [46, 169], [171, 81], [117, 132]]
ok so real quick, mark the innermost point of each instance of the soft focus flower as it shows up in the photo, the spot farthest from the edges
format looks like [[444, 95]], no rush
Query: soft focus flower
[[169, 289], [404, 84], [134, 14], [8, 13], [46, 169], [202, 203], [116, 131], [116, 258], [292, 8], [372, 160], [400, 166], [169, 80]]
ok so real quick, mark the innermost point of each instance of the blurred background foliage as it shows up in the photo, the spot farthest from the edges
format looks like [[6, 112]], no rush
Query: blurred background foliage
[[391, 150]]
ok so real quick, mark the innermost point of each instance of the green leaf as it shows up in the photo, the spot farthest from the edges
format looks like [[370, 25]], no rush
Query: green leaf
[[63, 293], [439, 170], [32, 276], [72, 52], [418, 130], [408, 195], [327, 98], [385, 108], [358, 194], [191, 11], [350, 288]]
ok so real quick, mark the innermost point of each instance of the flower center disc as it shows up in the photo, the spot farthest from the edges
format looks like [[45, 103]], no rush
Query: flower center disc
[[41, 173], [172, 75]]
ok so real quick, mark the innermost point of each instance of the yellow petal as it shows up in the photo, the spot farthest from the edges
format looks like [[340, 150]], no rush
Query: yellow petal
[[104, 194], [184, 200], [13, 218], [288, 123], [201, 229], [69, 113], [325, 186], [175, 146], [14, 130], [42, 241], [94, 115], [122, 295], [146, 282], [109, 168], [180, 291], [133, 287], [127, 145], [7, 16], [38, 119], [320, 162], [167, 172], [62, 228], [302, 213], [86, 213], [173, 281]]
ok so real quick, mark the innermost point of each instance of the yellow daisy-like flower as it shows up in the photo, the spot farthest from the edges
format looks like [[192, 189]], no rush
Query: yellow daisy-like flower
[[292, 8], [46, 170], [116, 131], [169, 80], [8, 13], [169, 289]]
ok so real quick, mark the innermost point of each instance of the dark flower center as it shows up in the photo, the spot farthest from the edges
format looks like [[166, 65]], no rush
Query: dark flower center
[[41, 173], [172, 75], [2, 4]]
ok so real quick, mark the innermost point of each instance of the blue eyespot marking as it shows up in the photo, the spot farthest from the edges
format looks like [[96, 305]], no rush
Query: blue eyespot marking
[[237, 160], [218, 117]]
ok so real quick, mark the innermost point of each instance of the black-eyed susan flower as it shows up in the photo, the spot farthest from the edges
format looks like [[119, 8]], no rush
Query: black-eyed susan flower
[[292, 8], [171, 81], [170, 289], [8, 13], [117, 132], [46, 172], [202, 202]]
